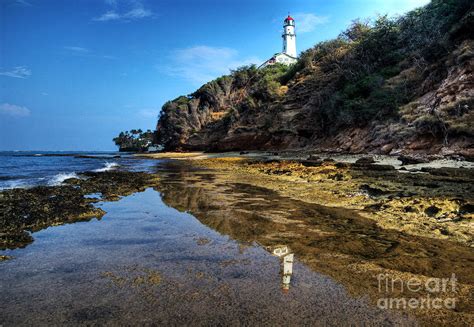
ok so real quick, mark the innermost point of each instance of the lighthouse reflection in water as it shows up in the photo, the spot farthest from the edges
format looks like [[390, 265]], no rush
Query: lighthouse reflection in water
[[286, 259]]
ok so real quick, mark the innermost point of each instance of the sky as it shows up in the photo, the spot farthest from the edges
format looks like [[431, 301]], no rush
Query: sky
[[74, 73]]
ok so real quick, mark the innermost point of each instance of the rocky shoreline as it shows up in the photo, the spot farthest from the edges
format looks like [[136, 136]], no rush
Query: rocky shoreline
[[348, 217], [26, 210], [414, 195], [422, 199]]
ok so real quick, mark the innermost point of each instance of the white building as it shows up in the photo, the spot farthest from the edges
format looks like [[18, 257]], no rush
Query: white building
[[288, 55]]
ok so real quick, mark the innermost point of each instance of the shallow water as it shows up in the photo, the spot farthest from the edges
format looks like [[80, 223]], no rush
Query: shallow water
[[145, 262]]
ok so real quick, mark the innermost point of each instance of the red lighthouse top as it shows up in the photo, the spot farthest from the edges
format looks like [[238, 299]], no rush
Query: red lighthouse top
[[289, 18]]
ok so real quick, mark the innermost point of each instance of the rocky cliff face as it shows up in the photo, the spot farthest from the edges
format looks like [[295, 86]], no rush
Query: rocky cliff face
[[402, 85]]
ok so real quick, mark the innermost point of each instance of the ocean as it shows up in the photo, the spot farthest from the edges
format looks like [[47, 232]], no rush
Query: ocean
[[33, 168]]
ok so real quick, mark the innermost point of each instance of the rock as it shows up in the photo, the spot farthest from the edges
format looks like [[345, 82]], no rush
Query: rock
[[375, 207], [387, 148], [466, 208], [243, 152], [373, 167], [342, 165], [5, 257], [311, 163], [431, 211], [337, 177], [468, 154], [313, 157], [328, 160], [408, 160], [466, 173], [409, 209], [365, 161], [372, 191]]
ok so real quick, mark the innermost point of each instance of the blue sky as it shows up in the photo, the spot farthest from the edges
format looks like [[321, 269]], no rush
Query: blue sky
[[74, 73]]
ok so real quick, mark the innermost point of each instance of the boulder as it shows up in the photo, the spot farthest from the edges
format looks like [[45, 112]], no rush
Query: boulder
[[409, 160], [365, 161]]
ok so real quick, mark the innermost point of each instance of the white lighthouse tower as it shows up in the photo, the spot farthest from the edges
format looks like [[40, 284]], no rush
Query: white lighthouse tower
[[288, 56], [289, 37]]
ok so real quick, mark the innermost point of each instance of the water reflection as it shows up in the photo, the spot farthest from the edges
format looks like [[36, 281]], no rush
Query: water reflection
[[334, 241], [286, 259], [145, 263]]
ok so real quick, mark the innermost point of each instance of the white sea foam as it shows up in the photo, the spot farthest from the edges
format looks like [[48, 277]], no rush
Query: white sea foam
[[13, 184], [60, 178], [107, 166]]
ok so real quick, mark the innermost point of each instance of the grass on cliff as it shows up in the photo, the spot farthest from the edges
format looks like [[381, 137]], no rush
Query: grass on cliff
[[375, 67]]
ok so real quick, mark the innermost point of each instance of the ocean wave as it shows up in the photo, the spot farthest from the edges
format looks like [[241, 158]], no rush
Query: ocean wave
[[13, 184], [7, 178], [107, 166], [60, 178]]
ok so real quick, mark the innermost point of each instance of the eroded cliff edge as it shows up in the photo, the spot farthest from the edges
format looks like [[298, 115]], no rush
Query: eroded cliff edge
[[389, 86]]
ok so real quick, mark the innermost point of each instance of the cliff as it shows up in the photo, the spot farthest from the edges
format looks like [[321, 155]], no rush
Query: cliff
[[388, 86]]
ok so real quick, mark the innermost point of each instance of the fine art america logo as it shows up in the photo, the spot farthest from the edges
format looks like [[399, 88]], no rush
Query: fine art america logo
[[434, 293]]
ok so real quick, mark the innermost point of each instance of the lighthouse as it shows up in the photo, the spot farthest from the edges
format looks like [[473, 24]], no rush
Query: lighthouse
[[288, 55], [289, 37]]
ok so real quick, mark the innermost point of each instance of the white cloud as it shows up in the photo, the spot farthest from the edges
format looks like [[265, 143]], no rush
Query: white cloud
[[84, 52], [307, 22], [13, 110], [22, 3], [201, 64], [138, 12], [17, 72], [77, 49], [109, 15], [133, 12]]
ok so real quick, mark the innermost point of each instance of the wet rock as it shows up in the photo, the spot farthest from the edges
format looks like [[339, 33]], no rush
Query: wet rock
[[468, 154], [5, 257], [431, 211], [373, 191], [409, 160], [342, 165], [337, 177], [313, 157], [203, 241], [365, 161], [373, 167], [450, 172], [311, 163], [243, 152], [466, 208], [386, 148], [409, 209], [375, 207]]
